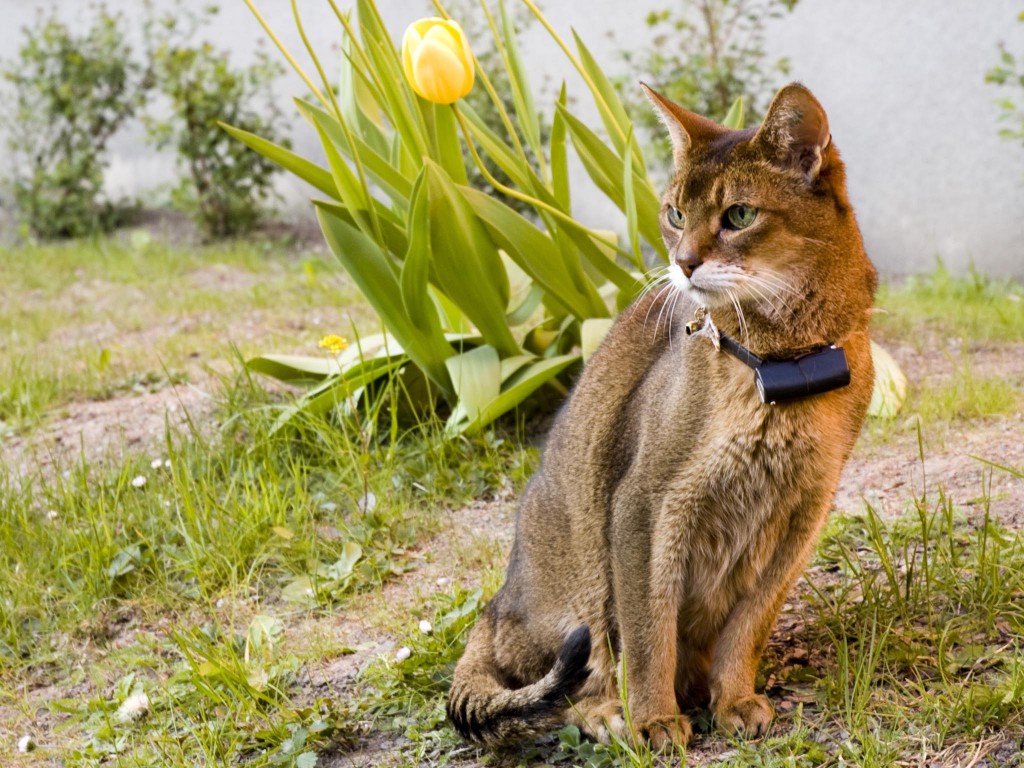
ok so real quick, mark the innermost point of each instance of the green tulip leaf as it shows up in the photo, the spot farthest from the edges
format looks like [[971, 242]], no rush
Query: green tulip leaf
[[592, 333], [468, 268], [890, 388], [309, 172], [605, 168], [536, 254], [294, 368], [476, 377], [523, 382], [376, 277], [378, 167], [522, 95], [736, 116]]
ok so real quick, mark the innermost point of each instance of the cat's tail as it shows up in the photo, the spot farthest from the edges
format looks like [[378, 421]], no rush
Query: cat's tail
[[485, 711]]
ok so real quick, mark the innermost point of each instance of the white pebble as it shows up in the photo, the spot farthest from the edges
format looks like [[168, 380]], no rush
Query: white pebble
[[139, 481], [443, 581], [403, 653], [26, 744], [134, 707], [425, 627]]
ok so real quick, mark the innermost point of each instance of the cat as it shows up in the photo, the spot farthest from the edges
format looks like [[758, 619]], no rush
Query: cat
[[673, 510]]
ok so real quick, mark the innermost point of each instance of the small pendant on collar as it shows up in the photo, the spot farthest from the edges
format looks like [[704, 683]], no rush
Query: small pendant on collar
[[703, 325]]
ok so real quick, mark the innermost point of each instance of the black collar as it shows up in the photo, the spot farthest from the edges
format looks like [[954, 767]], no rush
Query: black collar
[[778, 381]]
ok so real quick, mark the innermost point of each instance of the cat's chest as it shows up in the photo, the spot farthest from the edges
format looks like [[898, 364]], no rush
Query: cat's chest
[[746, 446], [751, 448], [713, 445]]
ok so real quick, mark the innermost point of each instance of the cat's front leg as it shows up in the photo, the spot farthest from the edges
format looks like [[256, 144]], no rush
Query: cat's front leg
[[736, 707], [647, 604]]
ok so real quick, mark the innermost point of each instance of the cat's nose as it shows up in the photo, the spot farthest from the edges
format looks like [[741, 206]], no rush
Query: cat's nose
[[688, 261]]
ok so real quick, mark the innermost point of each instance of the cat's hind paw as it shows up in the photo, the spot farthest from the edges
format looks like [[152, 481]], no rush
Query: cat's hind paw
[[600, 720], [748, 717]]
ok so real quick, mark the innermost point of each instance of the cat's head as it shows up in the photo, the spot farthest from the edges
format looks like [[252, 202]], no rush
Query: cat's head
[[759, 217]]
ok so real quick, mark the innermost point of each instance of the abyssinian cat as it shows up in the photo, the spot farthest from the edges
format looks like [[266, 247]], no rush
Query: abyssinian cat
[[673, 509]]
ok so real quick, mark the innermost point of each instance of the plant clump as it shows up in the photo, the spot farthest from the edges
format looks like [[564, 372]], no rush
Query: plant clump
[[225, 188], [73, 89]]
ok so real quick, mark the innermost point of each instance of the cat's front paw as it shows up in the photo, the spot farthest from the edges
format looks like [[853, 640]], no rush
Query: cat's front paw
[[674, 731], [749, 717]]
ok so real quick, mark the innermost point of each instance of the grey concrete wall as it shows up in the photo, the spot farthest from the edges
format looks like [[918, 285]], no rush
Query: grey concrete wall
[[903, 84]]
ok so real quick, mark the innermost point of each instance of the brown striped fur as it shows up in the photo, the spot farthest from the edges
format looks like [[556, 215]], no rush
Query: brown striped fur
[[673, 511]]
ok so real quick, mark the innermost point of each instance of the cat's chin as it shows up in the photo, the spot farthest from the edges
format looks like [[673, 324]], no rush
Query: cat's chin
[[707, 299], [703, 296]]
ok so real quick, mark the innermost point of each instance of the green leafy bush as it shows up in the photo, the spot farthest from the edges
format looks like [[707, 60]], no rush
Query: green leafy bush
[[1009, 74], [704, 55], [226, 187], [72, 91], [483, 307]]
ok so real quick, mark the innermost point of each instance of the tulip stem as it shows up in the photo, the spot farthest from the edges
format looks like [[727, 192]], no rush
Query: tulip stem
[[354, 153], [499, 105], [315, 58], [598, 97], [284, 52]]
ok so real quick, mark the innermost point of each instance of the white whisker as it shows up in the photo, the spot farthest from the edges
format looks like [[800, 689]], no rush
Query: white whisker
[[671, 315], [762, 298], [654, 279], [660, 293], [823, 243], [768, 286], [741, 320], [774, 279], [664, 303]]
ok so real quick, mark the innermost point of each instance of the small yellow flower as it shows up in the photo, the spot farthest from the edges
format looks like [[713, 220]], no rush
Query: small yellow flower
[[437, 60], [333, 344]]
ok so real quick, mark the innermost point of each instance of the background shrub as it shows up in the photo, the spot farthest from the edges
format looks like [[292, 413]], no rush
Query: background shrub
[[72, 91], [704, 54], [1009, 74], [225, 187]]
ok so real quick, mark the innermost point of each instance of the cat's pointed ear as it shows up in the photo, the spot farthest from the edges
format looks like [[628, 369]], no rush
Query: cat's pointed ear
[[684, 128], [795, 130]]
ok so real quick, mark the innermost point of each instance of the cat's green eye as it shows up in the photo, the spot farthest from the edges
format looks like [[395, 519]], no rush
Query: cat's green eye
[[676, 217], [739, 216]]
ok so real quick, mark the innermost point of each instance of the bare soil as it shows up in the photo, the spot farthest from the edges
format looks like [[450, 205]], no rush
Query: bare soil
[[98, 430]]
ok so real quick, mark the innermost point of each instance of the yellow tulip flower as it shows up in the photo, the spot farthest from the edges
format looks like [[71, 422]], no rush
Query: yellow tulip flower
[[437, 60]]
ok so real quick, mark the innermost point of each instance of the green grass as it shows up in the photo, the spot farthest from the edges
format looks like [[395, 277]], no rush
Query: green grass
[[919, 309], [944, 404], [94, 319], [276, 525], [218, 586], [966, 397], [928, 312]]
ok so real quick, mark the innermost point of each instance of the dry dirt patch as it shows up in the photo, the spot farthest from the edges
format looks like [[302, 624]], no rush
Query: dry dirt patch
[[110, 429], [889, 477]]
